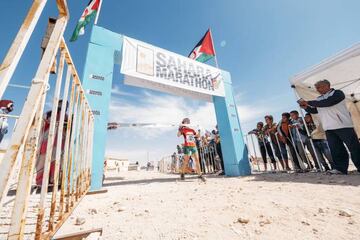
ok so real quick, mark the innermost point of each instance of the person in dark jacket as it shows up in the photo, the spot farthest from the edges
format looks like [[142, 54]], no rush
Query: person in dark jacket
[[285, 137], [264, 144], [219, 151], [337, 123], [279, 147], [299, 135]]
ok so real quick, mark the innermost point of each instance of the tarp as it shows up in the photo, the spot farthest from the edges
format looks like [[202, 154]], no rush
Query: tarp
[[343, 72], [151, 67]]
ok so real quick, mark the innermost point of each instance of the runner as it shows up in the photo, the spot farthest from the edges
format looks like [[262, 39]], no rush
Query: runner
[[189, 148]]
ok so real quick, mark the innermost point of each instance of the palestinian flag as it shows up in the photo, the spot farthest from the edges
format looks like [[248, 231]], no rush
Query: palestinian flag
[[88, 14], [204, 50]]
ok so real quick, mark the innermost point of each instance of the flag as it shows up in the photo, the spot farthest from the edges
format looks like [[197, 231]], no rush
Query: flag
[[88, 14], [204, 50]]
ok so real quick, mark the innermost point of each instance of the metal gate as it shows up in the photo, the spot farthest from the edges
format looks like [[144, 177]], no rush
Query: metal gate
[[36, 200]]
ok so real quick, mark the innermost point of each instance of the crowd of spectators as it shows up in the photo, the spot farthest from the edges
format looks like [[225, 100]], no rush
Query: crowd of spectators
[[324, 139]]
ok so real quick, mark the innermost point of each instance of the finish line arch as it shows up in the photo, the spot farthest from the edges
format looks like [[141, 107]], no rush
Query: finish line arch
[[104, 51]]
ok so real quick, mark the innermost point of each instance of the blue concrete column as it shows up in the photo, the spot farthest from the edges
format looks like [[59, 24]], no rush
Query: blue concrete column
[[97, 81], [233, 148]]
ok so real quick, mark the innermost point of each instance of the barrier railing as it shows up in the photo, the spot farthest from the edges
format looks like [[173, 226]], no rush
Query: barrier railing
[[305, 154], [255, 156], [53, 151]]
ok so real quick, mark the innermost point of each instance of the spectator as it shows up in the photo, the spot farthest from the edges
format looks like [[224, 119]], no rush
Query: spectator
[[6, 107], [270, 130], [198, 146], [264, 144], [173, 162], [179, 149], [285, 137], [43, 146], [298, 132], [320, 144], [337, 123], [218, 150]]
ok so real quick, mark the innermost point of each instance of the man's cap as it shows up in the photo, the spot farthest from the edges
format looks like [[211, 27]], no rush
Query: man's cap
[[6, 103]]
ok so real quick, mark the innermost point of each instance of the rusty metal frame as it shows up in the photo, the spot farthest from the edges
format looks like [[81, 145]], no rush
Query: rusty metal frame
[[74, 155], [17, 48], [49, 149], [80, 235], [21, 200], [39, 85]]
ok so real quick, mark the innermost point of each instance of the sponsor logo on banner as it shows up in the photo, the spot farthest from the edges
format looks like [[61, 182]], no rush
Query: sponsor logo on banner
[[96, 112], [93, 92], [97, 77], [145, 61], [160, 69]]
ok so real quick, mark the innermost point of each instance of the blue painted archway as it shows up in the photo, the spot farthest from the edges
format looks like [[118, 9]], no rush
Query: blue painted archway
[[104, 51]]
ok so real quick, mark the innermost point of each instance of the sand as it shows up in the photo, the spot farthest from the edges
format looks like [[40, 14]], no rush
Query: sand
[[151, 205]]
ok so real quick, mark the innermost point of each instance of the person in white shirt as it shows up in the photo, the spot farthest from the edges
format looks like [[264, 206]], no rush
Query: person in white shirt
[[337, 123]]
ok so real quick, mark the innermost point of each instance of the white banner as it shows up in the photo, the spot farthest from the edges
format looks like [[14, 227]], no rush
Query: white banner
[[151, 67]]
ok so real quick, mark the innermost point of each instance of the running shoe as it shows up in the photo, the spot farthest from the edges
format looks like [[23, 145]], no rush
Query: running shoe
[[334, 171], [202, 178], [182, 176]]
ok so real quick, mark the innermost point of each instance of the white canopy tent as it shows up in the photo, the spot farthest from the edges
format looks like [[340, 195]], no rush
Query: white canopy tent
[[343, 71]]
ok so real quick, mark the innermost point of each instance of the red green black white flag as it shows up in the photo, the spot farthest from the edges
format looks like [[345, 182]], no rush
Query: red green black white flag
[[88, 14], [204, 50]]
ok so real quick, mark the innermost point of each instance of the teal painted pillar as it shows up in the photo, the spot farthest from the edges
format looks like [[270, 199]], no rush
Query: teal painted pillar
[[97, 81], [233, 148]]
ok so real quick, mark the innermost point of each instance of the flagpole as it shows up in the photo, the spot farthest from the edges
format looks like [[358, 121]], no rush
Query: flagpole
[[98, 13], [212, 40]]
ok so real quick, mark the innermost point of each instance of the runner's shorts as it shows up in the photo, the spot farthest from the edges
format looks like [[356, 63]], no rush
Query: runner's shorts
[[190, 150]]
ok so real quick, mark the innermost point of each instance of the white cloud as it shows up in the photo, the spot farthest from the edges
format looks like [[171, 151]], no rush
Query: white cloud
[[115, 91], [161, 109]]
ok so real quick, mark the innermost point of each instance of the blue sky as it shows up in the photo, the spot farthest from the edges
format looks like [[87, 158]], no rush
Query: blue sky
[[261, 42]]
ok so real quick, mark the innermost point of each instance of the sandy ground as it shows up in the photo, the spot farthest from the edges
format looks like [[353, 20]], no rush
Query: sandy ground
[[150, 205]]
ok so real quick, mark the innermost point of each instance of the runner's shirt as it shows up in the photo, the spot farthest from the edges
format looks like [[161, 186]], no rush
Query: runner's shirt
[[189, 136]]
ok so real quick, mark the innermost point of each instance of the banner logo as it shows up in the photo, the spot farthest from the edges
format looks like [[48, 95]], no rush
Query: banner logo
[[151, 67]]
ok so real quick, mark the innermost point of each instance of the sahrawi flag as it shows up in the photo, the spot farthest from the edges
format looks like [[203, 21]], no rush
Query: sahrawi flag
[[88, 14], [204, 50]]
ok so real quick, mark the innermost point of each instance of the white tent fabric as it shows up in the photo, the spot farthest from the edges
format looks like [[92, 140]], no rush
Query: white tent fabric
[[343, 71]]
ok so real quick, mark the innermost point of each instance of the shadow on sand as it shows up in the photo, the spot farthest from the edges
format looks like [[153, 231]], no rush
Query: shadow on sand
[[173, 178], [352, 179]]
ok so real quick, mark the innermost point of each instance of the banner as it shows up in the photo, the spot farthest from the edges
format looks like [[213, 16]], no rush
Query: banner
[[151, 67]]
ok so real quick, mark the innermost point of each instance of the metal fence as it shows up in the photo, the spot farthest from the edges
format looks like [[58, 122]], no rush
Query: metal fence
[[53, 150], [208, 157], [306, 156], [256, 160]]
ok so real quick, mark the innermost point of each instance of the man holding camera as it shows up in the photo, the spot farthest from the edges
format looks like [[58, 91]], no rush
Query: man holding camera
[[337, 123]]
